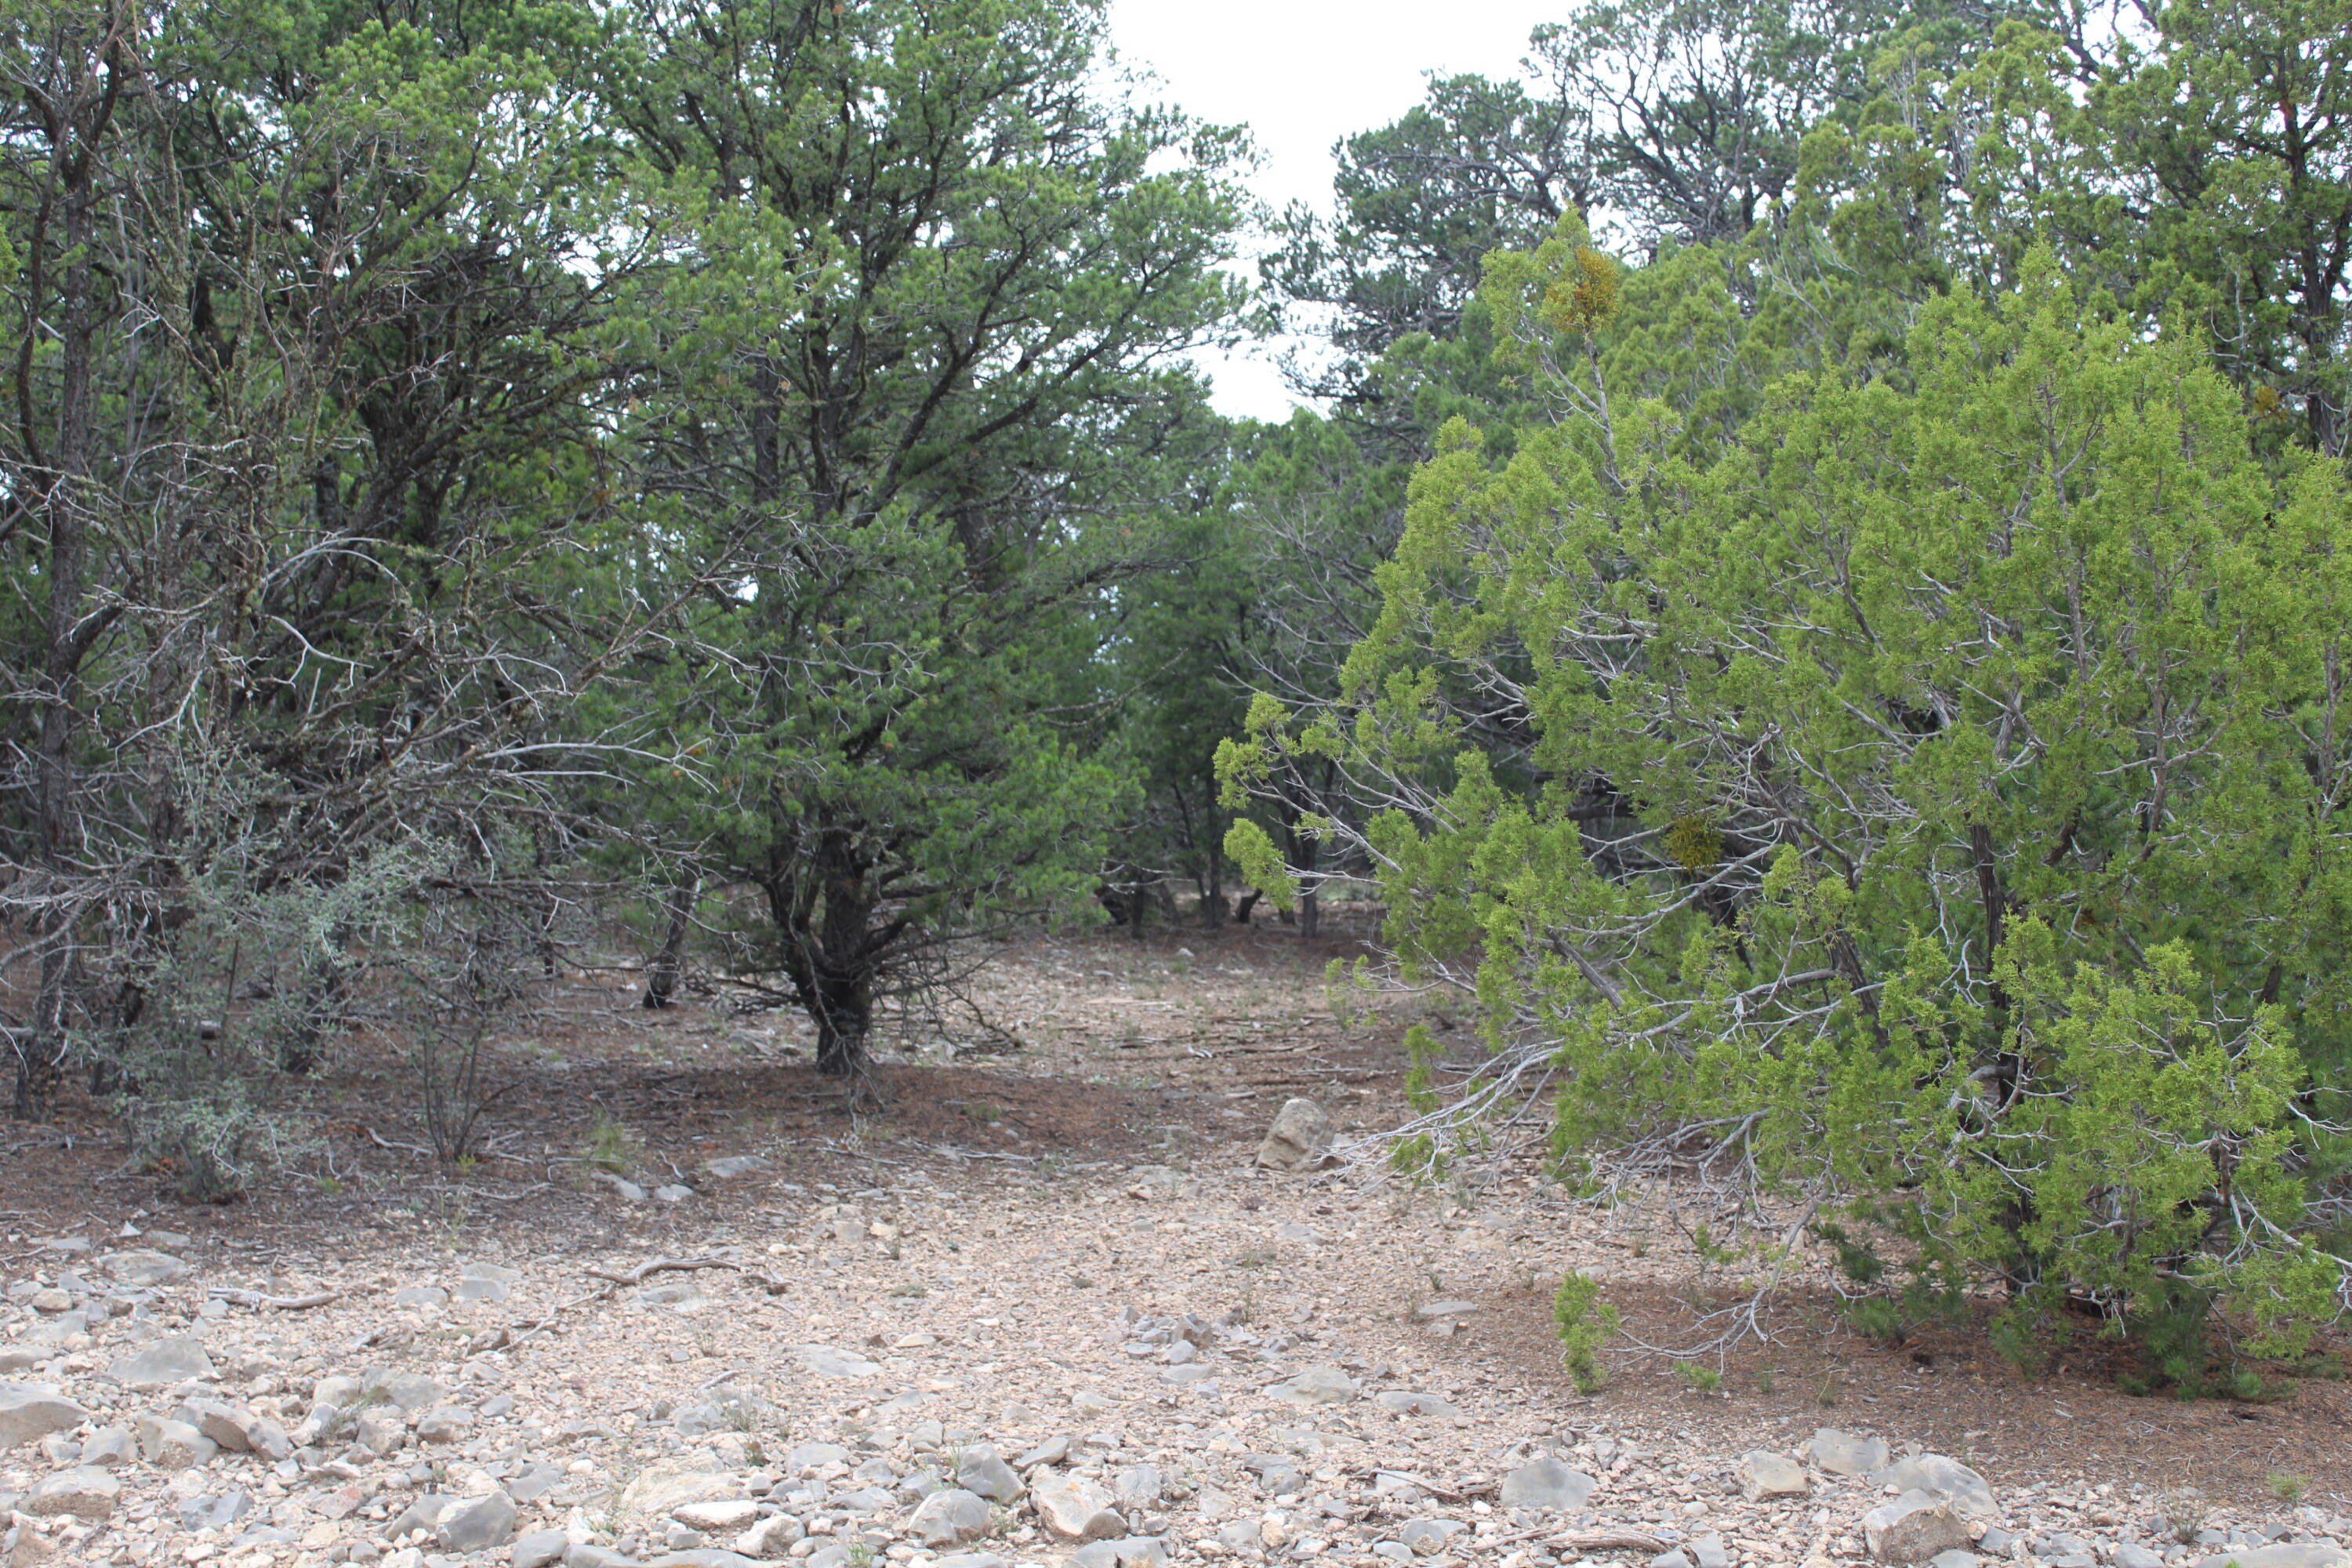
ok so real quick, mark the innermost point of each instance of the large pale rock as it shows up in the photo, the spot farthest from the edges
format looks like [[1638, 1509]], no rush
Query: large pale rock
[[1299, 1139], [140, 1269], [2300, 1554], [1946, 1479], [1316, 1385], [1072, 1507], [666, 1486], [732, 1513], [1764, 1474], [1546, 1483], [981, 1468], [173, 1444], [540, 1549], [1913, 1528], [85, 1491], [1843, 1454], [162, 1364], [950, 1518], [30, 1413]]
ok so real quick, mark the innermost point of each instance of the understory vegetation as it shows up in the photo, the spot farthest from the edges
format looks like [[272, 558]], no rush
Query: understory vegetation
[[1813, 593]]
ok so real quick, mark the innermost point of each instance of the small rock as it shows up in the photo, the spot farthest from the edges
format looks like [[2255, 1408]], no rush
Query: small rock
[[1546, 1483], [2129, 1555], [30, 1413], [950, 1518], [1406, 1402], [1842, 1454], [1956, 1558], [1072, 1507], [981, 1469], [1428, 1537], [410, 1390], [583, 1557], [673, 1192], [630, 1192], [448, 1424], [1763, 1474], [1127, 1551], [491, 1290], [702, 1557], [970, 1560], [666, 1485], [807, 1457], [1675, 1557], [1946, 1479], [1431, 1312], [162, 1364], [733, 1513], [1706, 1551], [727, 1167], [1052, 1451], [540, 1549], [51, 1299], [420, 1296], [142, 1268], [771, 1537], [109, 1448], [1913, 1528], [215, 1512], [1316, 1385], [1299, 1139], [85, 1491], [477, 1524]]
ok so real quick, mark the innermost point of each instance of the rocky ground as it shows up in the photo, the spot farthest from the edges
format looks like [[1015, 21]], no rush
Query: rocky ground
[[859, 1340]]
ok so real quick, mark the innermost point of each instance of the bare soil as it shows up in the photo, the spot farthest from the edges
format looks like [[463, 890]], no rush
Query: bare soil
[[1085, 1151]]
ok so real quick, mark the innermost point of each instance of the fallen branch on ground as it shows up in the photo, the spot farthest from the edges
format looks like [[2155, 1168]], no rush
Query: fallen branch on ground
[[257, 1301]]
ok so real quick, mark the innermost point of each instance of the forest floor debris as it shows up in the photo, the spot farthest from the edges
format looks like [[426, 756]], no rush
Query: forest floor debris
[[1045, 1308]]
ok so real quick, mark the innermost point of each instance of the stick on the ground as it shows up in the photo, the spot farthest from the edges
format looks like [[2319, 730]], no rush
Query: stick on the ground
[[644, 1271]]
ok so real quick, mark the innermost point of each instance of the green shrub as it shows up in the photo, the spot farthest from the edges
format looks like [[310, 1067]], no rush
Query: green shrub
[[1586, 1324]]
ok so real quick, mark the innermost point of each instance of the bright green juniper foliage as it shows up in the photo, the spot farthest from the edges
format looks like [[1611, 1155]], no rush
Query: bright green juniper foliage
[[1934, 793]]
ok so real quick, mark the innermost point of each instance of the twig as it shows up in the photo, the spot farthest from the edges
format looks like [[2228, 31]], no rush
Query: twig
[[644, 1271], [384, 1142]]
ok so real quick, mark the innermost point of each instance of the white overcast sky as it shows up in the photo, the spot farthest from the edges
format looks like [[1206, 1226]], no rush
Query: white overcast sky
[[1302, 74]]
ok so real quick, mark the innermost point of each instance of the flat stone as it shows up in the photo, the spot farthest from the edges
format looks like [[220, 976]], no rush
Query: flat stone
[[420, 1296], [1430, 1311], [446, 1424], [628, 1192], [1299, 1140], [703, 1557], [582, 1557], [1188, 1373], [2127, 1556], [728, 1167], [826, 1362], [1404, 1401], [950, 1518], [970, 1560], [539, 1548], [1707, 1551], [410, 1390], [1546, 1483], [216, 1512], [1946, 1479], [807, 1457], [1126, 1551], [1427, 1537], [85, 1491], [1913, 1528], [1072, 1507], [478, 1524], [491, 1290], [30, 1413], [1317, 1385], [533, 1482], [165, 1363], [664, 1486], [51, 1300], [110, 1446], [2299, 1555], [1956, 1558], [481, 1268], [1763, 1474], [731, 1513], [142, 1268], [1052, 1451], [1843, 1454], [173, 1444], [674, 1193], [982, 1470], [1138, 1485], [771, 1537]]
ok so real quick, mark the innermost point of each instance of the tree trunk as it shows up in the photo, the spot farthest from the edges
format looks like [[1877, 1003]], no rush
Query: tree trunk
[[661, 978], [1213, 903], [1243, 906], [841, 991]]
